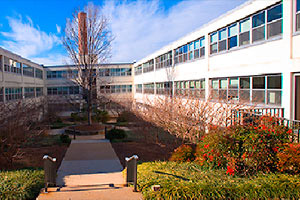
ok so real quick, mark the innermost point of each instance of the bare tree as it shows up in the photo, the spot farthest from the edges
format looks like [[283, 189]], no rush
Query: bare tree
[[87, 40]]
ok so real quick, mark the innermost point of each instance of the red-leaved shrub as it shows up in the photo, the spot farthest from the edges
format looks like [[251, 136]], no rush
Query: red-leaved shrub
[[184, 153], [289, 159]]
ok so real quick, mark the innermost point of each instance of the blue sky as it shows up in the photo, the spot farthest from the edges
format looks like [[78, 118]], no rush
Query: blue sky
[[33, 28]]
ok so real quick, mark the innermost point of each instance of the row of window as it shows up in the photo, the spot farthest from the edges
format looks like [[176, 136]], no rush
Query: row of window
[[16, 93], [190, 51], [63, 90], [148, 66], [109, 89], [260, 26], [16, 67], [252, 89], [61, 74], [160, 88], [191, 88], [164, 60], [115, 72]]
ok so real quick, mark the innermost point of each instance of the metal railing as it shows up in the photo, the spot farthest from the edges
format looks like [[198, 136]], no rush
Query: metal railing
[[131, 165], [50, 171], [254, 116]]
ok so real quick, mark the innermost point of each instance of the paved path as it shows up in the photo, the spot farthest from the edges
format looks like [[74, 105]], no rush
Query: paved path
[[90, 170]]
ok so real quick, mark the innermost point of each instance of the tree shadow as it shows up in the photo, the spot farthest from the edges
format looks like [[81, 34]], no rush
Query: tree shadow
[[176, 176]]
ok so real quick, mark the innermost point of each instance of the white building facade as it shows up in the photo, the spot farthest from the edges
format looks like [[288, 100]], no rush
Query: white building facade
[[250, 54]]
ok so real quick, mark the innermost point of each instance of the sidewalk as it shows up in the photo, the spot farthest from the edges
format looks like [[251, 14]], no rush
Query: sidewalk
[[90, 170]]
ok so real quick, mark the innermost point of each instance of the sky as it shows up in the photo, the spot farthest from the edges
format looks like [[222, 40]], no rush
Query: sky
[[33, 28]]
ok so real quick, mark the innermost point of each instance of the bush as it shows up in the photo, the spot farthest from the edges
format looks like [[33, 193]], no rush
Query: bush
[[190, 181], [21, 184], [115, 134], [289, 159], [101, 116], [184, 153], [64, 138], [124, 116], [244, 150]]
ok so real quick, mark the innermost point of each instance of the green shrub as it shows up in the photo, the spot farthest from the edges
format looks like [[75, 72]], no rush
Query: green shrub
[[75, 117], [101, 116], [64, 138], [123, 117], [190, 181], [184, 153], [115, 134], [21, 184], [289, 159]]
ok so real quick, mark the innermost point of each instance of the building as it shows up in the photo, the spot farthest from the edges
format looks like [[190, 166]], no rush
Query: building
[[250, 54]]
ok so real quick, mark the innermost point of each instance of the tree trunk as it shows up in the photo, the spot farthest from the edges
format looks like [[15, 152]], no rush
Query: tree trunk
[[89, 106]]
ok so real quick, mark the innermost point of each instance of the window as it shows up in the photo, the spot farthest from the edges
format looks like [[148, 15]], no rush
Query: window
[[274, 90], [164, 60], [149, 88], [148, 66], [232, 36], [38, 73], [258, 92], [222, 40], [12, 66], [58, 74], [244, 36], [191, 50], [6, 64], [181, 54], [139, 88], [298, 15], [13, 93], [213, 43], [39, 91], [1, 95], [244, 89], [274, 21], [28, 71], [138, 70], [258, 27], [202, 47], [233, 92], [29, 92]]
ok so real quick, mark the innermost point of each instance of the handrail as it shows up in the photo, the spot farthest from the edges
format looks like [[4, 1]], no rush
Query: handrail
[[132, 157], [50, 158]]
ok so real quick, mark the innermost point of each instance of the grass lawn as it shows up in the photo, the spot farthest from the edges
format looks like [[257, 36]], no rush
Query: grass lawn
[[21, 184], [190, 181]]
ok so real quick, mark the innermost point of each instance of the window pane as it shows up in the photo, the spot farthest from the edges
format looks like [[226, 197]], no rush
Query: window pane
[[215, 84], [222, 45], [245, 25], [245, 83], [274, 28], [232, 42], [258, 82], [213, 37], [223, 83], [222, 34], [232, 30], [202, 42], [258, 34], [274, 82], [191, 46], [244, 38], [275, 13], [298, 5], [196, 44], [258, 19], [233, 83], [213, 48]]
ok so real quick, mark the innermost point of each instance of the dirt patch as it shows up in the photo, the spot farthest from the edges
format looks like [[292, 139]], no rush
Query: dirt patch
[[86, 127], [145, 151], [33, 157]]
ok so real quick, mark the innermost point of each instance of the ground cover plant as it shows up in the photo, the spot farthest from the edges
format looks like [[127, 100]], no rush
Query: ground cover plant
[[189, 180], [21, 184]]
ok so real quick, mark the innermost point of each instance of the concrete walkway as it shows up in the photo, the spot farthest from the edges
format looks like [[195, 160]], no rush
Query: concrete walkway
[[90, 170]]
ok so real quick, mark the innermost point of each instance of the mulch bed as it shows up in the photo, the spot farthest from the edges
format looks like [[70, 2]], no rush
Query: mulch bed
[[86, 127], [145, 151], [33, 157]]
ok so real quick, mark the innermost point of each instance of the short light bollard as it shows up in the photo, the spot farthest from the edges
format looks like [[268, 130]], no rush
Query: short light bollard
[[50, 171], [131, 165]]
